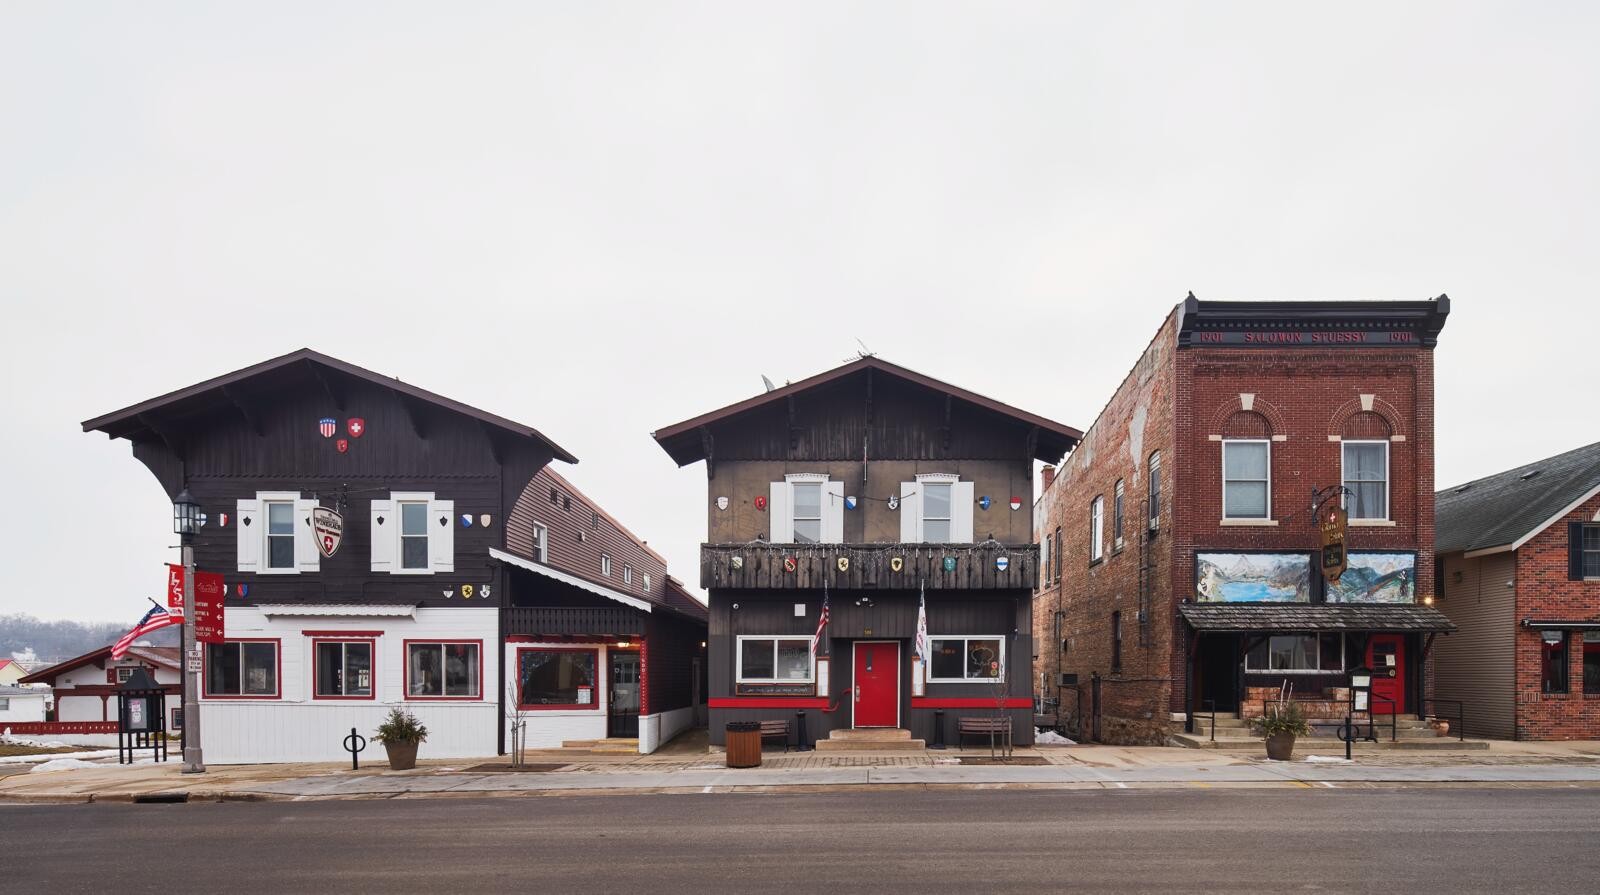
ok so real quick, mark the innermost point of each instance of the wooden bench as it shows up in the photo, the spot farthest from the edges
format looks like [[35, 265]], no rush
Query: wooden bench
[[778, 729], [983, 727]]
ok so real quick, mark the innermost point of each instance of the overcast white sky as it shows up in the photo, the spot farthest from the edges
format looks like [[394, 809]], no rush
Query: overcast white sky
[[599, 219]]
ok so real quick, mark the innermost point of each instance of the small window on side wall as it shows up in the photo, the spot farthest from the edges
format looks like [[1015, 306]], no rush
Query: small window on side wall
[[605, 564], [1097, 529], [1116, 517], [1154, 490]]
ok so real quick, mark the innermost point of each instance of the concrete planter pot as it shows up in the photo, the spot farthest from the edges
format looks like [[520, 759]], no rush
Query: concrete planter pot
[[402, 756], [1280, 746]]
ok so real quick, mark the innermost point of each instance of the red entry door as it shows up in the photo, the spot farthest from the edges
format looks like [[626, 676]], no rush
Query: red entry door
[[877, 685], [1386, 656]]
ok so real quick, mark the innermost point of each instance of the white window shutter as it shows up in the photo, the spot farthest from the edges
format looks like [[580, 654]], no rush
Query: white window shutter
[[833, 512], [910, 513], [442, 538], [961, 512], [249, 536], [782, 531], [306, 556], [385, 535]]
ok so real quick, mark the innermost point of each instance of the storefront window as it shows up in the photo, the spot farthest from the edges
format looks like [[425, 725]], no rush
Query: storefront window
[[442, 670], [1591, 663], [344, 669], [1297, 653], [774, 659], [1554, 662], [242, 668], [961, 659], [556, 677]]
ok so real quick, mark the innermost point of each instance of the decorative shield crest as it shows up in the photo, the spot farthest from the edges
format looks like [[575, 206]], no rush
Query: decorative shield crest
[[484, 592], [328, 426], [485, 519], [789, 564], [894, 501], [466, 591], [761, 502], [896, 563], [949, 563], [244, 591], [722, 502], [1016, 503], [328, 527], [449, 592], [342, 444], [850, 501], [355, 426], [222, 519], [844, 563], [1002, 562], [736, 562], [984, 501], [466, 520]]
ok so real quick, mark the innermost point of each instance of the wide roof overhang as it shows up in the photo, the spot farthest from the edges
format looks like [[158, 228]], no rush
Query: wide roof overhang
[[1258, 617]]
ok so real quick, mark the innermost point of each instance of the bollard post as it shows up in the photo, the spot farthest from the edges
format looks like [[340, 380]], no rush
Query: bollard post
[[353, 744], [800, 732], [938, 729], [1349, 736]]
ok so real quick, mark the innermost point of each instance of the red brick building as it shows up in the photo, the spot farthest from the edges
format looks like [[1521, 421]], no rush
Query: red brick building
[[1519, 561], [1179, 545]]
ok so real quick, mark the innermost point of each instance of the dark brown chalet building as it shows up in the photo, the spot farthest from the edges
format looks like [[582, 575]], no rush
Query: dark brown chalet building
[[1181, 575], [862, 489], [418, 606]]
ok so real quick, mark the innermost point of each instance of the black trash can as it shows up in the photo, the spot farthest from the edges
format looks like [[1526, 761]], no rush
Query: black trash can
[[744, 744]]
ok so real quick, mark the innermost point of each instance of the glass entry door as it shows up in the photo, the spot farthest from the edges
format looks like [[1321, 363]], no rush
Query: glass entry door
[[623, 714]]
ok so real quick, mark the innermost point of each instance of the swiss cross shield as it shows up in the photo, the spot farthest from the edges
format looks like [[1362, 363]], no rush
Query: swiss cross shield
[[355, 426], [328, 527], [342, 445], [328, 426]]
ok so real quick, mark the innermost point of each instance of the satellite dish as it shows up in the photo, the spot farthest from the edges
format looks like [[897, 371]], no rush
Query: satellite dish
[[767, 382]]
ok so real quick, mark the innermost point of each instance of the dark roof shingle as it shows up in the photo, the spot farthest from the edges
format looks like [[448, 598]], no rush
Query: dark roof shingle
[[1501, 509], [1314, 617]]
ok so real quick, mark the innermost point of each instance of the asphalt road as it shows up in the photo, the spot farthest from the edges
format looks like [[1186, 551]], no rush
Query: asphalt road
[[1182, 840]]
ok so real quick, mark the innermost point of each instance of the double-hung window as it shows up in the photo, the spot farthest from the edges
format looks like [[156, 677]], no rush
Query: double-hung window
[[1591, 663], [605, 564], [343, 669], [958, 660], [1097, 529], [1246, 479], [1586, 550], [1366, 479], [627, 574], [936, 509], [272, 534], [936, 512], [541, 543], [242, 669], [807, 508], [770, 660], [1116, 517], [548, 678], [280, 535], [807, 505], [413, 533], [1154, 490], [443, 670]]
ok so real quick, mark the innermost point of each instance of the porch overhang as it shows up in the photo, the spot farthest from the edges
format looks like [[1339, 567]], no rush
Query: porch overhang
[[538, 569], [1235, 618]]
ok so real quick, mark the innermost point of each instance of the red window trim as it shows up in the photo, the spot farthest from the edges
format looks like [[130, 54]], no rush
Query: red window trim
[[352, 635], [599, 679], [405, 672], [371, 644], [968, 702], [277, 678]]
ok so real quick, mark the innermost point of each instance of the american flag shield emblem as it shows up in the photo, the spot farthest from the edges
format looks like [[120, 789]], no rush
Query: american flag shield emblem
[[327, 427]]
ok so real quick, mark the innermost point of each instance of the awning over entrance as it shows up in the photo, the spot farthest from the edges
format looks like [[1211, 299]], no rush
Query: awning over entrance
[[1584, 624], [1240, 617]]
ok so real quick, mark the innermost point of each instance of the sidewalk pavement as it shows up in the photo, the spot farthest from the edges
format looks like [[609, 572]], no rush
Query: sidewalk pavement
[[680, 770]]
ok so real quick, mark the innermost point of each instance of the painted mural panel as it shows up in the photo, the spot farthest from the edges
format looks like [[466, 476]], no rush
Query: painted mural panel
[[1253, 577], [1376, 578]]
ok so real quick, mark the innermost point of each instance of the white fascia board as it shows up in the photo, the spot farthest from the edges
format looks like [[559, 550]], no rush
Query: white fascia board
[[329, 610], [1517, 545], [563, 577]]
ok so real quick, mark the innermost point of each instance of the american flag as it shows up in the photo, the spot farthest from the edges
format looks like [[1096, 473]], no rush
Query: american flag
[[154, 620], [822, 623]]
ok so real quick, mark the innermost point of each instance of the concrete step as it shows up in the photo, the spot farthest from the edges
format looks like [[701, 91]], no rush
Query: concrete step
[[608, 746], [871, 734]]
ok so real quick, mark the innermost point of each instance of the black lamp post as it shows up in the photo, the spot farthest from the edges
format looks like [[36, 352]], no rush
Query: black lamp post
[[186, 521]]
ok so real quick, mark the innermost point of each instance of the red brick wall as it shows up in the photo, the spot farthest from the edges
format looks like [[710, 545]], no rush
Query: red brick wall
[[1544, 591]]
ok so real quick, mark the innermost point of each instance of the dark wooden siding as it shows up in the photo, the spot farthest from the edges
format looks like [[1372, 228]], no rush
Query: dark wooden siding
[[581, 557], [671, 645]]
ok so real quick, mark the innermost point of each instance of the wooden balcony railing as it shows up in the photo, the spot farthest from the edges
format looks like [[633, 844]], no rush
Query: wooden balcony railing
[[986, 566]]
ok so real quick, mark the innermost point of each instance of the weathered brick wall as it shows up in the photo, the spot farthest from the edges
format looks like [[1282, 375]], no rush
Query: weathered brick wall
[[1136, 422], [1544, 591]]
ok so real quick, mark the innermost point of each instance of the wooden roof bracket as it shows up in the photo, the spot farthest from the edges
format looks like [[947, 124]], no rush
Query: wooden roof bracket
[[414, 414], [334, 395], [250, 418], [170, 439], [794, 431], [496, 450], [945, 429], [707, 444], [866, 433]]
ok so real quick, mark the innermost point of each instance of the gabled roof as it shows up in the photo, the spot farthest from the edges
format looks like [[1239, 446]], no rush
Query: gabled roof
[[166, 656], [1503, 511], [171, 408], [683, 443]]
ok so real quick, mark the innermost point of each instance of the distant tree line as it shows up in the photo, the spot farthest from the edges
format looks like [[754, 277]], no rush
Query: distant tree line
[[53, 641]]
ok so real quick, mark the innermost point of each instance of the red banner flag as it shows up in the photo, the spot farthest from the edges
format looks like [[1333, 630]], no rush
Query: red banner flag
[[208, 603], [174, 587]]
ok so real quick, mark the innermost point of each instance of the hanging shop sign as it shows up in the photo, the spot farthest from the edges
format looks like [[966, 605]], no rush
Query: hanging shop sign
[[328, 527], [208, 607], [1333, 527]]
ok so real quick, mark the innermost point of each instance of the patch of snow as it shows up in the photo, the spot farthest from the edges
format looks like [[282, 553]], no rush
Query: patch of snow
[[1051, 738], [63, 764], [47, 756], [1327, 759]]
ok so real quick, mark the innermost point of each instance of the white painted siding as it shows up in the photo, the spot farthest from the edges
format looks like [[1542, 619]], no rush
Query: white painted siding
[[83, 708], [656, 730], [548, 729], [295, 727], [21, 708]]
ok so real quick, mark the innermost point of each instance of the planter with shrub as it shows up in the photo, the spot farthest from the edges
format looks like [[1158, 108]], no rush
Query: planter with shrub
[[1282, 723], [400, 734]]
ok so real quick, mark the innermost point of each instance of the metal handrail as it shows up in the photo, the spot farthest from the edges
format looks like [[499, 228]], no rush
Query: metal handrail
[[1394, 718], [1211, 704], [1460, 717]]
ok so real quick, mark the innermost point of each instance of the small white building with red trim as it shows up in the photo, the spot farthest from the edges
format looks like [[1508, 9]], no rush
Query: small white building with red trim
[[84, 690]]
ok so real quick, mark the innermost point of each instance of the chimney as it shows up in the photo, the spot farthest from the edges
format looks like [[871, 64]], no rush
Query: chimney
[[1049, 473]]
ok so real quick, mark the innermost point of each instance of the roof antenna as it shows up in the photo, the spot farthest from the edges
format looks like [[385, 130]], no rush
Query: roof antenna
[[861, 354], [767, 382]]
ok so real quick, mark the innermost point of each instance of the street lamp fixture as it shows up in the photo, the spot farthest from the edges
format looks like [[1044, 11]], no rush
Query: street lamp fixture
[[186, 518]]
